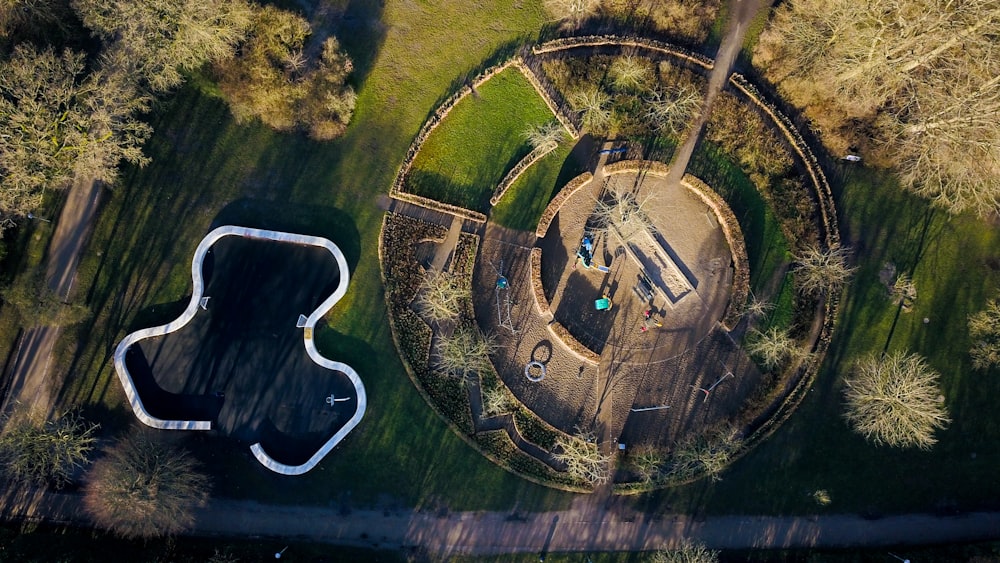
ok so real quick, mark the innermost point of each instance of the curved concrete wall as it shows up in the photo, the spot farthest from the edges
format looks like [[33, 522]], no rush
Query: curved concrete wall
[[192, 309]]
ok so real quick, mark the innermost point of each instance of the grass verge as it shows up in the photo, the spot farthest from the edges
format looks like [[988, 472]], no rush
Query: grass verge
[[480, 139]]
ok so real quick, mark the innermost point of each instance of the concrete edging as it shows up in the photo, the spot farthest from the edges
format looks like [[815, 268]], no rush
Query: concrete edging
[[192, 309]]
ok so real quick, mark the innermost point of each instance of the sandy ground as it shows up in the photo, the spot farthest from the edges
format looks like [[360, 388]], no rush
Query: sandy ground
[[670, 367]]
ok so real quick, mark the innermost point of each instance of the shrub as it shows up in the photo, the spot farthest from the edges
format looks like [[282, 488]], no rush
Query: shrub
[[44, 452], [144, 488]]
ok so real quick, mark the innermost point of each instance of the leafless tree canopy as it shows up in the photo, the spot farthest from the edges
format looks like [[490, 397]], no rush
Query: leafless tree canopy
[[895, 400], [773, 347], [922, 76], [466, 353], [984, 329], [442, 297], [708, 453], [631, 73], [624, 211], [157, 39], [819, 271], [287, 78], [546, 134], [572, 11], [687, 553], [671, 112], [45, 452], [594, 107], [583, 459], [144, 488]]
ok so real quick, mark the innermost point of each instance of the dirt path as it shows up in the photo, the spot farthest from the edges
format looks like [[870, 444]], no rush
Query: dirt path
[[29, 381], [741, 14]]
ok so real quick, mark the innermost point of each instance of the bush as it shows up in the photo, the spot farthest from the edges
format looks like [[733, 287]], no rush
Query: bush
[[274, 80], [144, 488], [45, 451]]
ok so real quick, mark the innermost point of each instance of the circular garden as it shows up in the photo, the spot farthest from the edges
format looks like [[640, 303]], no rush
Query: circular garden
[[575, 311]]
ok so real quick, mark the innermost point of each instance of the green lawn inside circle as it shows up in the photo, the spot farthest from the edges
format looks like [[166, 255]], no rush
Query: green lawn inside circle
[[479, 140]]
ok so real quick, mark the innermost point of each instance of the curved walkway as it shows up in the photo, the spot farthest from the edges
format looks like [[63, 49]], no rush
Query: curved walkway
[[310, 323]]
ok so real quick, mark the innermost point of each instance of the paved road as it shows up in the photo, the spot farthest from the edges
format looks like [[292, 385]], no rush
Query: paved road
[[584, 527], [29, 381]]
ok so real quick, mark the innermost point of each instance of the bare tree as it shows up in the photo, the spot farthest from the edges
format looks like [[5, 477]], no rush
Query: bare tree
[[672, 112], [895, 400], [41, 451], [773, 347], [497, 400], [708, 453], [984, 329], [572, 11], [157, 39], [648, 463], [904, 291], [546, 134], [464, 354], [623, 210], [630, 73], [144, 488], [41, 124], [687, 552], [818, 271], [594, 108], [442, 297], [755, 309], [921, 76], [582, 458]]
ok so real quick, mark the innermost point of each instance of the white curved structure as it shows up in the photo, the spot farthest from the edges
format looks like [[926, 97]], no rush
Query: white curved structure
[[310, 345]]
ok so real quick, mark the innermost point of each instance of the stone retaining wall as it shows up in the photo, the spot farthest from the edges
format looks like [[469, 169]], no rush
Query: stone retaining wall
[[574, 345], [541, 303], [532, 157], [571, 187], [663, 47]]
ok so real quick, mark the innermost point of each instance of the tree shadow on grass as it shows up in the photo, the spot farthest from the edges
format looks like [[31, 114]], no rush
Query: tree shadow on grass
[[315, 220]]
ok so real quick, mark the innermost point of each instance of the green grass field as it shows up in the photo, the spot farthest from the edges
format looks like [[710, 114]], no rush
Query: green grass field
[[478, 142], [953, 260], [525, 200], [408, 58], [208, 169]]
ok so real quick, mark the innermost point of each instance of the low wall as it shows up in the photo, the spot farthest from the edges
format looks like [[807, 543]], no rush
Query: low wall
[[532, 157], [574, 345], [541, 303], [566, 43], [567, 191]]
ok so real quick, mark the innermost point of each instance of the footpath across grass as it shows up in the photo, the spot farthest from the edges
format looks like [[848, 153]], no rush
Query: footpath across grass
[[478, 142]]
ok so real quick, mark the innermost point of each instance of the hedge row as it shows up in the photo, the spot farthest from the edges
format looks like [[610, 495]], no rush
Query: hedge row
[[541, 303], [535, 155], [573, 186], [565, 43], [436, 205], [546, 95], [498, 447], [824, 195], [574, 345], [535, 430], [401, 276]]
